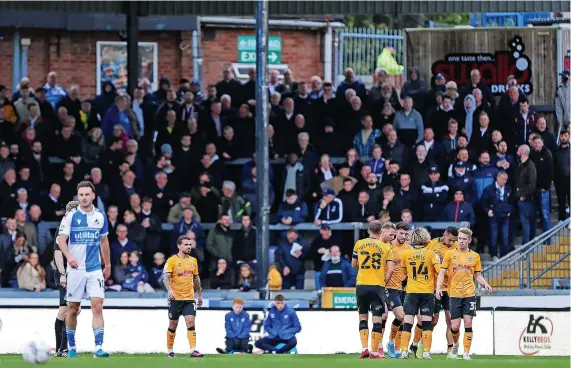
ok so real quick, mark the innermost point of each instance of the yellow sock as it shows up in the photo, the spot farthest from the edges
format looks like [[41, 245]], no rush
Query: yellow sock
[[398, 341], [417, 333], [455, 336], [394, 330], [467, 339], [191, 334], [376, 340], [170, 338], [405, 338], [427, 340], [364, 338]]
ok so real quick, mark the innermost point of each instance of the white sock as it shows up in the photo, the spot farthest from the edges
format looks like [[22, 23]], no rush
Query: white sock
[[170, 351], [97, 347], [192, 350], [391, 341], [415, 344]]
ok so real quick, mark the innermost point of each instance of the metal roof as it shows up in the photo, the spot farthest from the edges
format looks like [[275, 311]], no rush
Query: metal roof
[[290, 8]]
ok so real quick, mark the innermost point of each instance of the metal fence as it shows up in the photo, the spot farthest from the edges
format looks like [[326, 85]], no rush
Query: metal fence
[[359, 48], [542, 263]]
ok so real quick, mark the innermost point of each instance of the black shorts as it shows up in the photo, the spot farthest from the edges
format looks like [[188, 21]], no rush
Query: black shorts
[[413, 303], [442, 303], [460, 307], [370, 298], [179, 308], [395, 298], [61, 289]]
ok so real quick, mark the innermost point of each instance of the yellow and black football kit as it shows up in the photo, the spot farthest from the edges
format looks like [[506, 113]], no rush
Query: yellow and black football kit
[[441, 249]]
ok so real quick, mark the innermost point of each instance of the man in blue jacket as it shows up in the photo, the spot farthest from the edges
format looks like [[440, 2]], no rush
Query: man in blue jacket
[[281, 325], [238, 324], [337, 271], [291, 254], [497, 203]]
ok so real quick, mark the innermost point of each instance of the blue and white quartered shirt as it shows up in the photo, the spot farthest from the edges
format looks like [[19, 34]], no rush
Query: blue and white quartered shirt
[[85, 230]]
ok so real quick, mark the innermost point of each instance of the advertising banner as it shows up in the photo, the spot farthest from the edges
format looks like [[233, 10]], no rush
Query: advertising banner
[[112, 64]]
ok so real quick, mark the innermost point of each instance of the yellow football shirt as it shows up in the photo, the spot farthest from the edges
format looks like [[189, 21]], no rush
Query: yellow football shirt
[[461, 266], [399, 274], [182, 272], [441, 249], [371, 255], [422, 266]]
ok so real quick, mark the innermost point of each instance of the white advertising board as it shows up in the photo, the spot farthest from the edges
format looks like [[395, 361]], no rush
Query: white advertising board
[[143, 331]]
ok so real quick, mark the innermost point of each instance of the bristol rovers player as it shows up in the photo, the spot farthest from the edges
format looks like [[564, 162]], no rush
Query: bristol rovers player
[[86, 228]]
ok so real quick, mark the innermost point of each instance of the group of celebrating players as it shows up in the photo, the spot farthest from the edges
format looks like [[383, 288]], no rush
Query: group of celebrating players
[[438, 273], [411, 275]]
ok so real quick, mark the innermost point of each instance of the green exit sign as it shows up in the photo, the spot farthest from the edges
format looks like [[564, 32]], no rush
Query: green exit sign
[[247, 49]]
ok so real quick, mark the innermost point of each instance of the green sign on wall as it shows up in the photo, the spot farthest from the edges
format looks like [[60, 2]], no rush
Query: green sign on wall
[[247, 49], [344, 300]]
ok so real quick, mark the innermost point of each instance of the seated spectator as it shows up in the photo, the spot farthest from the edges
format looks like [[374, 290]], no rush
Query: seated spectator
[[393, 149], [135, 276], [238, 325], [364, 140], [275, 280], [291, 255], [392, 177], [184, 201], [30, 275], [434, 195], [228, 144], [319, 251], [337, 271], [246, 278], [122, 244], [244, 243], [305, 151], [353, 163], [459, 211], [377, 163], [223, 277], [250, 190], [232, 204], [188, 223], [292, 211], [329, 210], [157, 272], [295, 177], [497, 203], [219, 241], [8, 193], [330, 141], [281, 328], [14, 257]]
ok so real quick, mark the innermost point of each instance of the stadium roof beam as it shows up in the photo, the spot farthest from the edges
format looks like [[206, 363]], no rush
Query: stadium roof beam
[[289, 8]]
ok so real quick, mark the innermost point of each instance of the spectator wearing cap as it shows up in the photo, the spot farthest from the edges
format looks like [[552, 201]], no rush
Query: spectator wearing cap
[[232, 204], [319, 251], [54, 92], [525, 182], [337, 271], [503, 160], [563, 101], [408, 123], [434, 196], [440, 118], [463, 182], [481, 137], [543, 161], [291, 254], [562, 177], [497, 203], [548, 137], [419, 167], [175, 212], [330, 142], [459, 210], [292, 211], [329, 210], [438, 84], [122, 244], [476, 82]]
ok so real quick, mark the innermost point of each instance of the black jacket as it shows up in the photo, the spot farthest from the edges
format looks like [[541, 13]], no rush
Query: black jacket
[[491, 201], [562, 164], [244, 245], [317, 243], [543, 161], [525, 180]]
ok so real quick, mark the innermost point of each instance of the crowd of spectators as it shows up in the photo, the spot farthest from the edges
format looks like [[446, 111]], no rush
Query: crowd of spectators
[[437, 153]]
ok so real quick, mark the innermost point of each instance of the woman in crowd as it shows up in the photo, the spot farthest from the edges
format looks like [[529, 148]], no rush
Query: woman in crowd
[[30, 275], [223, 278], [14, 257]]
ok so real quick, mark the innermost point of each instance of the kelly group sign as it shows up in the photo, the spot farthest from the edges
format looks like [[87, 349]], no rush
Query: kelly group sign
[[494, 68]]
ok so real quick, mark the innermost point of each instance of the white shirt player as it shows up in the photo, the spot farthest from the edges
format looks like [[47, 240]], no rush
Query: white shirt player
[[84, 231]]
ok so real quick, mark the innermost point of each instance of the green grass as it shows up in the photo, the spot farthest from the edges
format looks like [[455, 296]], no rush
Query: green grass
[[300, 361]]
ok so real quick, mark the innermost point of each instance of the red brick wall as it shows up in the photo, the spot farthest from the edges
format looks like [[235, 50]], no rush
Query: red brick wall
[[76, 63]]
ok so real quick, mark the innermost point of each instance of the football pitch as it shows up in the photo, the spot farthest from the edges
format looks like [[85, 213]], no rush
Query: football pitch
[[300, 361]]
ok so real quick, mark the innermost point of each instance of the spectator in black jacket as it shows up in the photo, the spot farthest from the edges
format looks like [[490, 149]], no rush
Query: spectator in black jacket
[[434, 195], [53, 207], [392, 177], [295, 177], [525, 182], [548, 137], [244, 244], [481, 138], [475, 82], [152, 223], [223, 278], [319, 251], [497, 202], [291, 255], [543, 161], [393, 149], [230, 86], [137, 233], [562, 179]]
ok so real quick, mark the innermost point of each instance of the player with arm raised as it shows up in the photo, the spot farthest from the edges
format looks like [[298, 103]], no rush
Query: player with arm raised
[[86, 228], [421, 265], [394, 290], [182, 282], [370, 256], [61, 281], [461, 266]]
